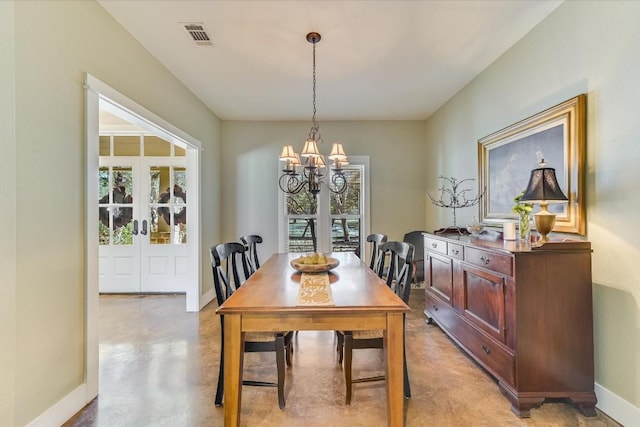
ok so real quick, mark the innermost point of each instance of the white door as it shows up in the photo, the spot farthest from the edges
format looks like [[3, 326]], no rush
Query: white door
[[142, 224]]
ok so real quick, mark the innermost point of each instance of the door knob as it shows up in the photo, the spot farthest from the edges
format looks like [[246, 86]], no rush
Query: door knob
[[144, 227], [135, 227]]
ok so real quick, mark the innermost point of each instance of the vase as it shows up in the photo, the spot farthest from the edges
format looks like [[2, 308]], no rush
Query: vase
[[524, 227]]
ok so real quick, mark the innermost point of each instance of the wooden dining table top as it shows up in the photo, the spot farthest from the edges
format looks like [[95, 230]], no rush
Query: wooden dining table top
[[274, 287]]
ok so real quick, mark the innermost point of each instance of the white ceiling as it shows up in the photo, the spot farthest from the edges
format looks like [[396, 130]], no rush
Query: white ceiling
[[377, 60]]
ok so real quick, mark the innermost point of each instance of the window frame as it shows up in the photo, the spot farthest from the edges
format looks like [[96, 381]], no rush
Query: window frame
[[323, 215]]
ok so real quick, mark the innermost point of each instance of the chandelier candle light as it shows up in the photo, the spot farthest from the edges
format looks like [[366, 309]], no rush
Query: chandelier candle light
[[315, 168]]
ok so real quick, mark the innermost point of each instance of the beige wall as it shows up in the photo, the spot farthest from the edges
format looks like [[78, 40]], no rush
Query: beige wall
[[251, 170], [7, 216], [583, 47], [55, 44]]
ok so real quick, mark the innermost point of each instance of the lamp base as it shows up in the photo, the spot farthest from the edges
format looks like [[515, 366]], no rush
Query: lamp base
[[544, 224]]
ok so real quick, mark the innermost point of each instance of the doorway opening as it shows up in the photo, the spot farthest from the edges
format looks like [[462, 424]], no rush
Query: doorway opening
[[103, 101]]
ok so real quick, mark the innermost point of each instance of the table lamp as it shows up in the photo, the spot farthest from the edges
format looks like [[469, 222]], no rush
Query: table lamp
[[543, 189]]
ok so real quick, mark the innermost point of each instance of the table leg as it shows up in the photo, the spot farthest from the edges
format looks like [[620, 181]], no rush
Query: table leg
[[393, 347], [233, 358]]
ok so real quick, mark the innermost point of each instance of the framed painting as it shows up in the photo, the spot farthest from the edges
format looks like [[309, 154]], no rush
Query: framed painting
[[506, 158]]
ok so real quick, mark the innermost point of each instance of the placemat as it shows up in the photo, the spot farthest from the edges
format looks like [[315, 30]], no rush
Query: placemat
[[315, 289]]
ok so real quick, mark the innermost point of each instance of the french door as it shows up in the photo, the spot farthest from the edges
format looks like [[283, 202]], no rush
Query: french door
[[142, 224]]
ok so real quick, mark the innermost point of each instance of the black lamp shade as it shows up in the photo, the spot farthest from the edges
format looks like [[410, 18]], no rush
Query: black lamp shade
[[543, 187]]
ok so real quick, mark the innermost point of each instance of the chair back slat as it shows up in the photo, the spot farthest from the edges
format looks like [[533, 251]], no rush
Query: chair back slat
[[376, 256], [225, 260], [399, 274], [250, 243]]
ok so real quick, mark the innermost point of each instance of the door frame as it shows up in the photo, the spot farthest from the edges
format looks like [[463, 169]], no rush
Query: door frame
[[99, 95]]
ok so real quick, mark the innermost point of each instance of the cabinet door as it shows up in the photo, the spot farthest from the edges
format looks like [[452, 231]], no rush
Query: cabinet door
[[439, 277], [483, 300]]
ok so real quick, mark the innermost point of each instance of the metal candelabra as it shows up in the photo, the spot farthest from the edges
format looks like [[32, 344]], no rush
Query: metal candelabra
[[455, 198]]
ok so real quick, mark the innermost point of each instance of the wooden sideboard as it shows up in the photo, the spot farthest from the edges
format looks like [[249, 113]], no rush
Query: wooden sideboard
[[524, 314]]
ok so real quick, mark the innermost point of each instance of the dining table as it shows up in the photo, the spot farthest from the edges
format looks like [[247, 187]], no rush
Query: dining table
[[269, 301]]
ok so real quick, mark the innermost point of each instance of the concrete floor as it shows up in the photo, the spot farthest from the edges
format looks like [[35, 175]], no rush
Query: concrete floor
[[159, 367]]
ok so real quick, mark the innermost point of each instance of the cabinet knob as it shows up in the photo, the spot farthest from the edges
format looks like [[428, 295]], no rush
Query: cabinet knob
[[434, 245], [455, 251], [485, 260], [485, 349], [435, 307]]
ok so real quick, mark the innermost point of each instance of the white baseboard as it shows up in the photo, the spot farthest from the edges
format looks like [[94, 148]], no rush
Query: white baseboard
[[64, 409], [207, 298], [617, 408]]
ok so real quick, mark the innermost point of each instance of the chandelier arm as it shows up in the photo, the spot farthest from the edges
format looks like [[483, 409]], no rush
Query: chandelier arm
[[306, 172], [338, 183], [290, 183]]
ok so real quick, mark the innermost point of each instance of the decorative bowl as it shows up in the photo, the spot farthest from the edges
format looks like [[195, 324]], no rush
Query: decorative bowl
[[475, 229], [314, 268]]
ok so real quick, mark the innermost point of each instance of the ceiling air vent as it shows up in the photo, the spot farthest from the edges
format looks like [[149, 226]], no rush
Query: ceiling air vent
[[198, 33]]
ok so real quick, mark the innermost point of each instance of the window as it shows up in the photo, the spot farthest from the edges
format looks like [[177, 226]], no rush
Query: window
[[329, 222]]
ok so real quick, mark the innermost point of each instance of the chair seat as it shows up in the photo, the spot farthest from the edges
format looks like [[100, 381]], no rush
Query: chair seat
[[262, 336], [365, 335]]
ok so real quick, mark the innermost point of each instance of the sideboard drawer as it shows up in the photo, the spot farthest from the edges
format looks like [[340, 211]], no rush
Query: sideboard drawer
[[436, 245], [455, 251], [440, 311], [489, 260], [494, 357]]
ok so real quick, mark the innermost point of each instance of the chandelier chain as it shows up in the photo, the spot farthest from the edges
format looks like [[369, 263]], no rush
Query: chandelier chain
[[315, 131]]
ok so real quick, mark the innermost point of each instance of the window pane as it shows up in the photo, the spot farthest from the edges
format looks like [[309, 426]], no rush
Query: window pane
[[164, 217], [347, 203], [157, 237], [126, 145], [180, 227], [103, 229], [179, 151], [103, 185], [122, 181], [345, 235], [154, 184], [180, 185], [156, 146], [104, 145], [302, 203], [159, 184], [302, 235], [122, 226]]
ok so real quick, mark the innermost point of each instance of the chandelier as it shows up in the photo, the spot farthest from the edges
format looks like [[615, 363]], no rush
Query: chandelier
[[314, 170]]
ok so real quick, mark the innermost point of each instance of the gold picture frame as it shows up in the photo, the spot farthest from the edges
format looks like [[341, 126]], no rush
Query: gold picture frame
[[507, 157]]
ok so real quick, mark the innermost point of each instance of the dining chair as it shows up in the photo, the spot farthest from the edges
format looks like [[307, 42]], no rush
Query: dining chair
[[226, 258], [250, 243], [398, 277], [376, 240]]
